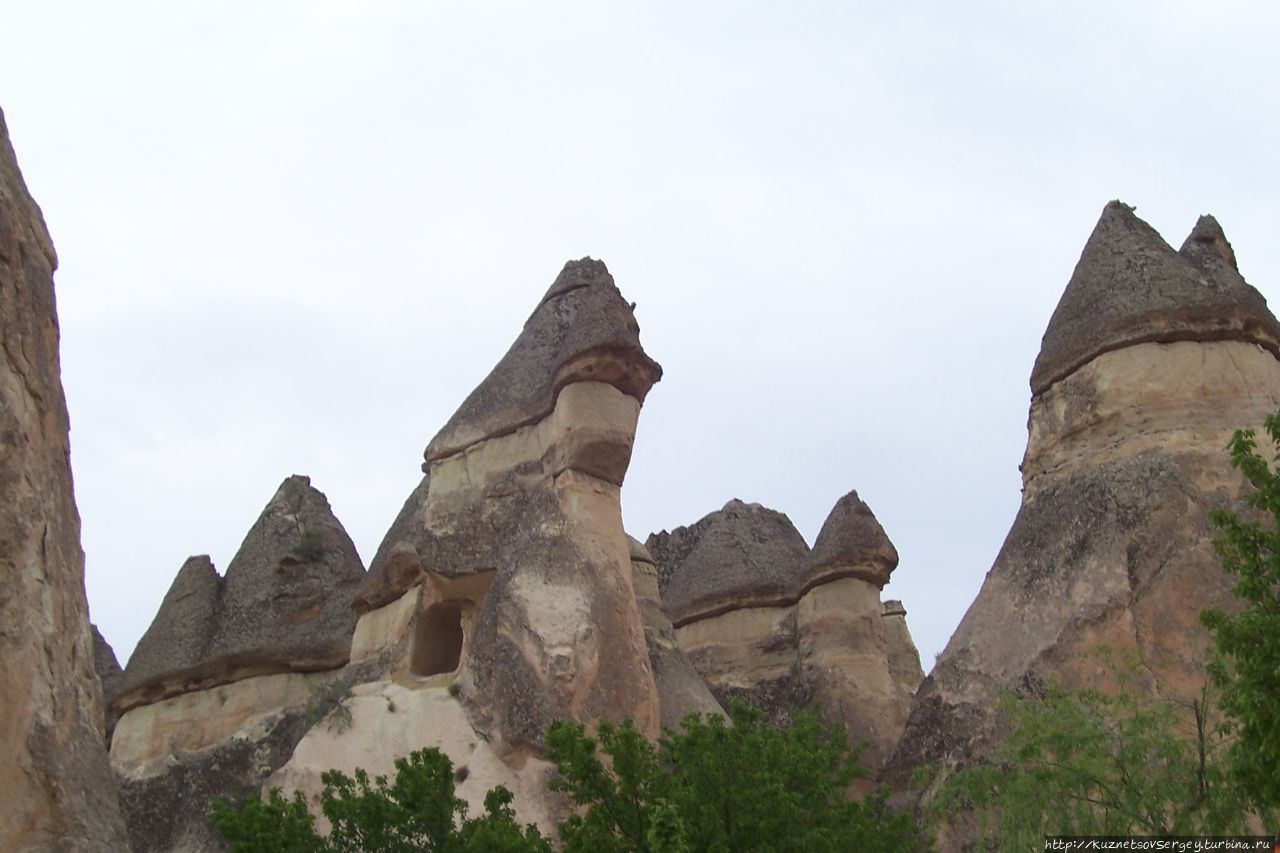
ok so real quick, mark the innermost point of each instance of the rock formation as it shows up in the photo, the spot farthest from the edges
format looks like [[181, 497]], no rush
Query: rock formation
[[681, 690], [766, 620], [234, 669], [502, 596], [110, 675], [57, 787], [1150, 362]]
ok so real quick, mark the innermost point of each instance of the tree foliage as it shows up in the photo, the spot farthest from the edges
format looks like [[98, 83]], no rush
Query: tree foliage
[[718, 785], [1246, 665], [1088, 763], [417, 811], [714, 785]]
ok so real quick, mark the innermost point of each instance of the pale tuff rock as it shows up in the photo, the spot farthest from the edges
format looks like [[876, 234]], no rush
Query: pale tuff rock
[[504, 594], [764, 619], [283, 606], [386, 722], [507, 571], [904, 660], [681, 690], [1169, 354], [223, 683], [55, 781]]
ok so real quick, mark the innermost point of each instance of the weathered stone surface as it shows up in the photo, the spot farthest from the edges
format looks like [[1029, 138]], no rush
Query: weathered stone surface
[[385, 723], [522, 490], [765, 620], [1126, 454], [681, 690], [202, 718], [582, 331], [745, 555], [57, 787], [1131, 287], [904, 659], [283, 606], [110, 676], [166, 800], [851, 544]]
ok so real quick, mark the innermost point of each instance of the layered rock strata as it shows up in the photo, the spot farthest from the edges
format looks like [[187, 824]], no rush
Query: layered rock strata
[[55, 781], [1150, 362], [232, 666], [766, 620], [283, 606], [503, 596], [681, 690]]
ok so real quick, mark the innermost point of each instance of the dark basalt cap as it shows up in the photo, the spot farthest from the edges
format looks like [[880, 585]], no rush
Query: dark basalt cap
[[851, 544], [582, 330], [745, 556], [284, 605], [1131, 287]]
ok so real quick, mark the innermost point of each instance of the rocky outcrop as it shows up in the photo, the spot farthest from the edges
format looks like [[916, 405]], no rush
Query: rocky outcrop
[[842, 632], [515, 534], [57, 787], [1150, 362], [110, 676], [284, 606], [235, 669], [502, 597], [731, 597], [765, 620], [681, 690]]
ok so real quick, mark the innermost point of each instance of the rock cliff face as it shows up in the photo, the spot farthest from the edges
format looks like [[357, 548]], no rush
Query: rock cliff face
[[766, 620], [234, 669], [57, 787], [1150, 362]]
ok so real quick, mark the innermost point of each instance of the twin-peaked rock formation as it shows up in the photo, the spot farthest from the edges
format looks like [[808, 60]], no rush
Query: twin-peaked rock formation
[[57, 788], [1150, 362], [766, 620], [227, 655]]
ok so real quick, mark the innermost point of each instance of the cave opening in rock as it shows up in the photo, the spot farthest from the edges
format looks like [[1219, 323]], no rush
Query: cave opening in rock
[[437, 639]]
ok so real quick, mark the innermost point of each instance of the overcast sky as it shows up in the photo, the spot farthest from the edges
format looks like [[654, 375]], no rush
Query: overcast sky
[[294, 236]]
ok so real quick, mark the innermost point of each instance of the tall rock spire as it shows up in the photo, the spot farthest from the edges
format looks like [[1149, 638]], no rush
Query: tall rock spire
[[1151, 361], [515, 534]]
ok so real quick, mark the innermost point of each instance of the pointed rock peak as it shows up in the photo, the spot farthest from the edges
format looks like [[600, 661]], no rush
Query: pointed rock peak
[[298, 533], [743, 555], [584, 272], [1206, 242], [1131, 287], [639, 553], [851, 544], [177, 640], [104, 657], [581, 331], [283, 606]]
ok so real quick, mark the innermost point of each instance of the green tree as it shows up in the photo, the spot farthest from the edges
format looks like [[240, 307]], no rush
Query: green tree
[[1246, 663], [718, 785], [417, 811], [1090, 763]]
